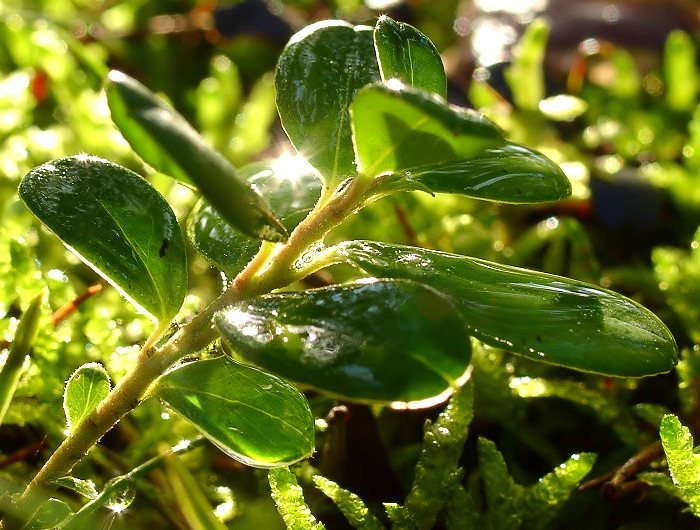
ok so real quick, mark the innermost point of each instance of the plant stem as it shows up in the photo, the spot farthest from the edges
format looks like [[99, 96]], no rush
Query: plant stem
[[272, 268]]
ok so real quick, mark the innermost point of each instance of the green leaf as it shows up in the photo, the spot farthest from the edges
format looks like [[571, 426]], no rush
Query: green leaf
[[683, 463], [347, 340], [352, 507], [318, 74], [22, 344], [290, 502], [85, 389], [437, 472], [406, 54], [83, 487], [254, 417], [541, 316], [118, 224], [525, 75], [500, 489], [511, 174], [165, 140], [396, 127], [291, 194], [681, 72]]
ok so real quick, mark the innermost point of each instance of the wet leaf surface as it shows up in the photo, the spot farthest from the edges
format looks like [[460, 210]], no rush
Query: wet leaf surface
[[165, 140], [317, 76], [541, 316], [388, 341], [116, 222], [254, 417]]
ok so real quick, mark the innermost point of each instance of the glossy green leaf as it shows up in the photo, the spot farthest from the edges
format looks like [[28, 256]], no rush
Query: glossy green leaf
[[289, 498], [291, 195], [511, 174], [51, 514], [118, 224], [541, 316], [406, 54], [254, 417], [318, 74], [396, 127], [347, 340], [683, 462], [84, 390], [165, 140]]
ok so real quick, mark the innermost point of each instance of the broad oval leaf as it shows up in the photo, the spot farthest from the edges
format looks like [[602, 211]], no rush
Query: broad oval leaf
[[406, 54], [165, 140], [317, 76], [396, 127], [541, 316], [118, 224], [388, 341], [253, 416], [291, 195], [511, 174], [85, 389]]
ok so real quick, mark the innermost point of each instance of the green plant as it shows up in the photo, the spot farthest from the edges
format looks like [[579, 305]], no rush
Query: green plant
[[365, 107]]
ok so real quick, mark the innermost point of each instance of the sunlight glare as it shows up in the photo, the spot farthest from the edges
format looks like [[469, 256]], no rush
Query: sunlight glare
[[290, 167]]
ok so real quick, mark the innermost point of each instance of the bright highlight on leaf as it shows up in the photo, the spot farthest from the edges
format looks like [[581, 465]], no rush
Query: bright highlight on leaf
[[317, 76], [348, 340], [406, 54], [167, 142], [254, 417], [85, 389], [541, 316], [118, 224], [683, 462]]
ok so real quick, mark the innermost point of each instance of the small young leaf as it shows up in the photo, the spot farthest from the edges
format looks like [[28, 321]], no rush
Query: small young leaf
[[118, 224], [437, 471], [396, 128], [352, 507], [406, 54], [511, 173], [348, 340], [318, 74], [167, 142], [254, 417], [290, 502], [681, 72], [83, 487], [541, 316], [291, 195], [683, 463], [525, 75], [88, 385]]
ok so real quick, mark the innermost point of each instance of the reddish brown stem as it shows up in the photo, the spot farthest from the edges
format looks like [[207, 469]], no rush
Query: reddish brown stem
[[66, 309]]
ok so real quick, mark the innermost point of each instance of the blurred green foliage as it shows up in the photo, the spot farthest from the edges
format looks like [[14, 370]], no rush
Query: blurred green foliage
[[628, 137]]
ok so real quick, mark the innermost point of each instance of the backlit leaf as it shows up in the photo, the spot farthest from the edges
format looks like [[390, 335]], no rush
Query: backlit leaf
[[541, 316], [406, 54], [348, 340], [396, 127], [117, 223], [88, 385], [165, 140], [318, 74], [254, 417]]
